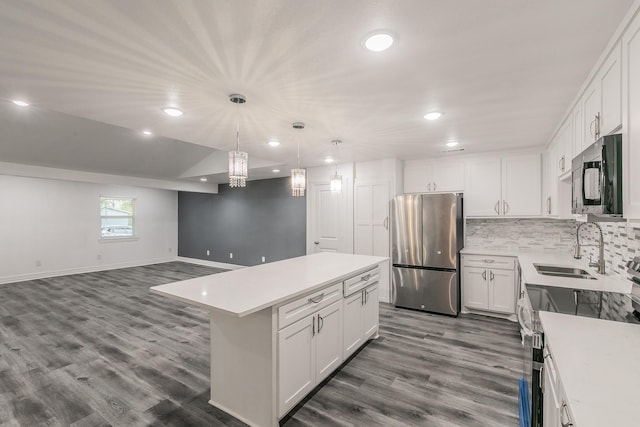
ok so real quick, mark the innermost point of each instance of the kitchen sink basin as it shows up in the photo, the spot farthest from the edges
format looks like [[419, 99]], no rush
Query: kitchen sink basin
[[559, 271]]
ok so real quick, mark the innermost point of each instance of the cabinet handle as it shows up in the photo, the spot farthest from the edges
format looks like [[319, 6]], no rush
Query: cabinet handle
[[320, 323], [491, 275], [549, 205], [591, 132], [429, 186], [386, 223], [435, 187], [316, 242], [564, 163], [317, 299], [313, 326], [560, 165], [488, 260], [564, 414], [505, 207], [597, 120], [367, 277], [362, 297], [484, 275], [497, 206]]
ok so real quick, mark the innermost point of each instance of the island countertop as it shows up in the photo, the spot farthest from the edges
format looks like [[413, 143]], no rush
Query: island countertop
[[248, 290]]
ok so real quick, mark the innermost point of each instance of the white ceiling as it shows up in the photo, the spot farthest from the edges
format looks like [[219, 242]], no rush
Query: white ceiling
[[502, 71]]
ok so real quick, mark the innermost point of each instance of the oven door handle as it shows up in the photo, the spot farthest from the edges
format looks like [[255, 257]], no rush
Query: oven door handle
[[520, 314]]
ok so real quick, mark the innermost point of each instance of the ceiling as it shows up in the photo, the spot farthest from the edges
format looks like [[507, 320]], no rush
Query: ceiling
[[503, 72]]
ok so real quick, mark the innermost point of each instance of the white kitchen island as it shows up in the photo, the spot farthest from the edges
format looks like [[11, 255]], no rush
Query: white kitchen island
[[279, 329]]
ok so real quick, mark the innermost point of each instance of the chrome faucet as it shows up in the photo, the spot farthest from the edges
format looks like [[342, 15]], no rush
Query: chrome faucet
[[600, 264]]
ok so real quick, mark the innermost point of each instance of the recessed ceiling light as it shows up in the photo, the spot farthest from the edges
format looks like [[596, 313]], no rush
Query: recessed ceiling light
[[452, 143], [147, 132], [172, 111], [378, 41], [434, 115], [203, 179], [273, 143], [329, 160], [275, 170], [20, 103]]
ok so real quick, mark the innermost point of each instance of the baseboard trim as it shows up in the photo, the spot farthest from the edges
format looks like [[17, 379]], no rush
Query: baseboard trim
[[210, 263], [79, 270]]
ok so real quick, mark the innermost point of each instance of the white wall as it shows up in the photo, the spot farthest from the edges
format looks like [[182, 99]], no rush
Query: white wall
[[58, 224]]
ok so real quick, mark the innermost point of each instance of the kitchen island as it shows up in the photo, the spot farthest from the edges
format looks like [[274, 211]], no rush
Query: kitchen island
[[279, 329]]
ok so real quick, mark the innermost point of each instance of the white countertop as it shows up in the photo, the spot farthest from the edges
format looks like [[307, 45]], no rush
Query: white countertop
[[599, 367], [607, 282], [248, 290], [527, 258]]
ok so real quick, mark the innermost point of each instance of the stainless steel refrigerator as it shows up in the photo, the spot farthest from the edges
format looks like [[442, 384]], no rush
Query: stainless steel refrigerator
[[426, 238]]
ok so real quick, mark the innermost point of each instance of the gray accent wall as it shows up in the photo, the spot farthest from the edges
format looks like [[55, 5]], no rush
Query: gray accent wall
[[262, 219]]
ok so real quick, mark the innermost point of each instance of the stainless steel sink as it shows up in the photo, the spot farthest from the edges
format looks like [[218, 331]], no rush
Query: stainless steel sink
[[559, 271]]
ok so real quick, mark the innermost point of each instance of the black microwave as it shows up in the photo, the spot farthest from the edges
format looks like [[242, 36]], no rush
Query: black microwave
[[596, 175]]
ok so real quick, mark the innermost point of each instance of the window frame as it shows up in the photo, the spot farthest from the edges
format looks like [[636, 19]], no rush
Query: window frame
[[131, 218]]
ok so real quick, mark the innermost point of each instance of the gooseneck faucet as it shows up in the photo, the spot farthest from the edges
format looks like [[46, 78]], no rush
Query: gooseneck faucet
[[600, 264]]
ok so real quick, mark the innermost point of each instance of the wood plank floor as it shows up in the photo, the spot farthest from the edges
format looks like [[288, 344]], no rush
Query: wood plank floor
[[98, 349]]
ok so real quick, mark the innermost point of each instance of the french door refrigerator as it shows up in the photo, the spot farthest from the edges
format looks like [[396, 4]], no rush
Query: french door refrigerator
[[426, 238]]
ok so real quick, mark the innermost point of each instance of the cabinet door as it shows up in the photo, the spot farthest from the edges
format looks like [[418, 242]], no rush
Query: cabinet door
[[417, 176], [611, 87], [482, 188], [502, 291], [296, 363], [370, 312], [631, 108], [447, 176], [521, 180], [363, 233], [352, 330], [564, 148], [328, 340], [591, 105], [578, 128], [474, 284], [550, 399]]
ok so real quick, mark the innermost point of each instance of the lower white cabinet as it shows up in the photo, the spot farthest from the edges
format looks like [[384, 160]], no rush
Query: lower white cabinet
[[489, 283], [361, 312], [309, 350]]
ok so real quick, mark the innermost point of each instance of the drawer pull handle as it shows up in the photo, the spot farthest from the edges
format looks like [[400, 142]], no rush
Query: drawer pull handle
[[317, 299], [489, 260], [367, 277]]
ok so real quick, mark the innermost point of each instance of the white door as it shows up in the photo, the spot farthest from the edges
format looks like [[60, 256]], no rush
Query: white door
[[611, 87], [370, 312], [502, 291], [475, 292], [328, 340], [521, 185], [296, 363], [483, 195], [326, 219], [371, 218], [448, 176], [352, 331]]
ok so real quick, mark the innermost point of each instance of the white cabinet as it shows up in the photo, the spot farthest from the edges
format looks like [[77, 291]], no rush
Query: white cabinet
[[507, 186], [577, 139], [308, 351], [489, 283], [631, 118], [371, 218], [602, 100], [361, 314], [549, 182], [428, 176], [563, 148]]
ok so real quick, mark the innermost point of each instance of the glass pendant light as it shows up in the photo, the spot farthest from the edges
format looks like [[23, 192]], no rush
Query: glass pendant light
[[335, 183], [298, 176], [238, 160]]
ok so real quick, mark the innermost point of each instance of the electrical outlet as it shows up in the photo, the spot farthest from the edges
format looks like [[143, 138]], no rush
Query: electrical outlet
[[208, 252], [263, 259], [231, 255]]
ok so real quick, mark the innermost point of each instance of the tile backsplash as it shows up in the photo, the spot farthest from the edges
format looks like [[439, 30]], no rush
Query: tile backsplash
[[541, 234]]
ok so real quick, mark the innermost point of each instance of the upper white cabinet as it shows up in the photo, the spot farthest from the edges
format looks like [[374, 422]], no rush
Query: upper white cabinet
[[563, 148], [631, 118], [428, 176], [602, 100], [504, 186]]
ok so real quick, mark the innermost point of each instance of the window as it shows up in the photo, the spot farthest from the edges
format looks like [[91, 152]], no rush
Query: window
[[116, 217]]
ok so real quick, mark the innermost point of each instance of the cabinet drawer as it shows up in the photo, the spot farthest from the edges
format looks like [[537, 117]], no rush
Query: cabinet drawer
[[361, 281], [489, 261], [295, 310]]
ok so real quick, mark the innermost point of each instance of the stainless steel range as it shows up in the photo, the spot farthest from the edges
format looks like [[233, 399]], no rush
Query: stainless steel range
[[611, 306]]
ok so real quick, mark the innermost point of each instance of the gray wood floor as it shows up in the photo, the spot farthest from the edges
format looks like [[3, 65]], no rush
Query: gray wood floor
[[98, 349]]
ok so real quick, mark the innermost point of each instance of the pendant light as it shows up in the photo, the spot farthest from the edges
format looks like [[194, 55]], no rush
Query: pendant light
[[238, 160], [335, 183], [298, 176]]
